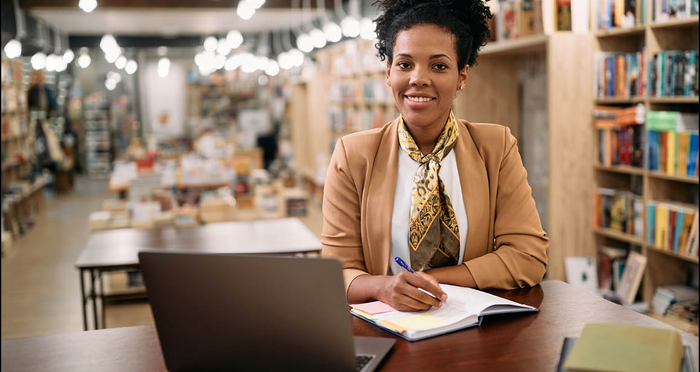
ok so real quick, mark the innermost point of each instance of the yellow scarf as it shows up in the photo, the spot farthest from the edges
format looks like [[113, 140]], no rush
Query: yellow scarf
[[433, 244]]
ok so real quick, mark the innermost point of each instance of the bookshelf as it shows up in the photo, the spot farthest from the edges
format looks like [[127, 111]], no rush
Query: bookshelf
[[664, 267]]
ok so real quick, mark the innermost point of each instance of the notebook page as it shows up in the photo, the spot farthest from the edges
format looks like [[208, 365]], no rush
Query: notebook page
[[475, 302]]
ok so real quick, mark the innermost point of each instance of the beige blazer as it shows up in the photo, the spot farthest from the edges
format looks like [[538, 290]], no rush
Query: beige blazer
[[506, 246]]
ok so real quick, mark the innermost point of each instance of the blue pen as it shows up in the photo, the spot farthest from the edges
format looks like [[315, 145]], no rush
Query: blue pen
[[403, 264]]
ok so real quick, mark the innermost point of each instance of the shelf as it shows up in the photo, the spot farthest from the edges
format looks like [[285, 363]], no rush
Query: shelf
[[617, 235], [664, 176], [613, 100], [674, 100], [636, 30], [516, 47], [620, 169], [673, 254], [675, 23]]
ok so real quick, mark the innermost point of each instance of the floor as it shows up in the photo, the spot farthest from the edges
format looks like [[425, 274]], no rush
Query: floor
[[41, 287]]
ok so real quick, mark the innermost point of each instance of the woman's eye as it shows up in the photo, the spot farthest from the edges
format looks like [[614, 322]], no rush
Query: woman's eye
[[440, 66], [403, 65]]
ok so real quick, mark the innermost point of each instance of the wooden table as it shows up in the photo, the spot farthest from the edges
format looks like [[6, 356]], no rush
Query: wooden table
[[517, 342], [118, 249]]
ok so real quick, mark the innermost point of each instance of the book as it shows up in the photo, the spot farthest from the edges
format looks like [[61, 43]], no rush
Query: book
[[569, 342], [631, 278], [464, 308], [624, 348]]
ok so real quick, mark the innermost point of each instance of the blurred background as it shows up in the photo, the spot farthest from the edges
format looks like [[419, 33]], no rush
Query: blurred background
[[176, 114]]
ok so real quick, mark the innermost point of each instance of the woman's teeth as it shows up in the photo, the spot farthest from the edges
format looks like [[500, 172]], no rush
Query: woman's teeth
[[419, 99]]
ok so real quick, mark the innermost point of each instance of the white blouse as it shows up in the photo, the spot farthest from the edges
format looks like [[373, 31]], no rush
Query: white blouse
[[402, 206]]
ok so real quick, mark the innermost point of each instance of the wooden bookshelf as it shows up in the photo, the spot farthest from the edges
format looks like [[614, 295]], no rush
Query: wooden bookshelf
[[620, 236], [636, 30], [515, 47], [620, 169], [663, 267]]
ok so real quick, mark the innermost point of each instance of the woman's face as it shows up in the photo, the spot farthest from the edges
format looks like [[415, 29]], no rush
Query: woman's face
[[424, 75]]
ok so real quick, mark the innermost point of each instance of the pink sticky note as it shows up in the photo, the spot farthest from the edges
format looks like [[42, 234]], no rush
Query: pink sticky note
[[376, 307]]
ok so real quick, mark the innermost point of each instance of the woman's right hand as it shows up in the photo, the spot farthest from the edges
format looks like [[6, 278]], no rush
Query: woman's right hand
[[402, 291]]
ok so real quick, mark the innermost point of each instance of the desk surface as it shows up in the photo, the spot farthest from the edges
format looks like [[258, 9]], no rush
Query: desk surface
[[119, 248], [517, 342]]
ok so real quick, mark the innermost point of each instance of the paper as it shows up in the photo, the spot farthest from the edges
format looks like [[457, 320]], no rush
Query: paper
[[376, 307], [420, 321]]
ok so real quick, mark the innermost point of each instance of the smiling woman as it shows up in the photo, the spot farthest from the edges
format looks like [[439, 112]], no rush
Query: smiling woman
[[447, 196]]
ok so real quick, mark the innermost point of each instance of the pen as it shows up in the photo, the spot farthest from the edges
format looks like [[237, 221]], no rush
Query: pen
[[403, 264]]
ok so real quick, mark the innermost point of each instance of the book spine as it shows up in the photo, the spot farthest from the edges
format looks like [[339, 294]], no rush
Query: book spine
[[671, 155], [651, 223], [693, 156]]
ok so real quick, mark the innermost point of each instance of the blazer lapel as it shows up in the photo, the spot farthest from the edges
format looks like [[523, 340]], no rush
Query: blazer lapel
[[380, 201], [475, 192]]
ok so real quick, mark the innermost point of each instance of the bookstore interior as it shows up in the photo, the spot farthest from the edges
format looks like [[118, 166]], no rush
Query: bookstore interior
[[175, 125]]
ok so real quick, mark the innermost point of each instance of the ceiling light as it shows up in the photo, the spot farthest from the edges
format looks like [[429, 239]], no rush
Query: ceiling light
[[223, 48], [131, 66], [120, 62], [219, 61], [38, 61], [272, 68], [256, 3], [318, 38], [87, 5], [249, 63], [112, 55], [285, 60], [367, 29], [297, 57], [108, 43], [114, 76], [210, 43], [262, 62], [52, 62], [13, 49], [163, 67], [110, 84], [68, 56], [305, 43], [262, 80], [333, 32], [245, 10], [350, 26], [61, 65], [234, 38], [84, 60]]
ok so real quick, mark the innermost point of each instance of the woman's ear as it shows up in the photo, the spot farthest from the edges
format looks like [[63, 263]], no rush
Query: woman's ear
[[388, 71], [463, 75]]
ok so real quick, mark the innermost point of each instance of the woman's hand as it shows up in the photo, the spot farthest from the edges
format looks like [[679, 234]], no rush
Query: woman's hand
[[402, 291]]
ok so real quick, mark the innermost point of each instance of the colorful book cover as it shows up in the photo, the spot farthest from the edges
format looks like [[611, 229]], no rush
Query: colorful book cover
[[678, 229], [692, 170], [671, 227], [689, 73], [651, 222], [671, 154], [663, 150], [661, 233], [687, 223], [682, 158]]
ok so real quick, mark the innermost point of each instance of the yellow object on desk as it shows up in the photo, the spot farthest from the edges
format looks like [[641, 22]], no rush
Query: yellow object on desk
[[623, 348]]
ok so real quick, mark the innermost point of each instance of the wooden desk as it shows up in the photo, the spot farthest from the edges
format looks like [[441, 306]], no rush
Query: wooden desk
[[118, 249], [517, 342]]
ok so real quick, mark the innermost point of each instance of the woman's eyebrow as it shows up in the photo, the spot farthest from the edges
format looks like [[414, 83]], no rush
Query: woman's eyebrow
[[434, 56]]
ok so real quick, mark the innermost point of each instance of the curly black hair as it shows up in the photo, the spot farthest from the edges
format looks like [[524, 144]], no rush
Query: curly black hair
[[467, 20]]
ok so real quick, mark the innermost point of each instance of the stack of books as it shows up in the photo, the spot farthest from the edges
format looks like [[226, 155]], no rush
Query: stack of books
[[672, 143], [665, 10], [619, 210], [620, 135], [619, 14], [673, 73], [669, 295], [673, 227], [620, 75], [611, 266]]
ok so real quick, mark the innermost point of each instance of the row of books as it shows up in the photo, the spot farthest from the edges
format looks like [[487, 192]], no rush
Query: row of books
[[673, 227], [665, 10], [611, 266], [619, 210], [347, 120], [620, 75], [12, 73], [620, 135], [672, 139], [673, 73], [373, 90], [619, 14]]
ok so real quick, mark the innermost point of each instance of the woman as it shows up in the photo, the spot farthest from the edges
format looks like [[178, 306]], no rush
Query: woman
[[447, 196]]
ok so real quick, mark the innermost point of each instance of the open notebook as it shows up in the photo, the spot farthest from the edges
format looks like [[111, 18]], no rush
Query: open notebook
[[464, 308]]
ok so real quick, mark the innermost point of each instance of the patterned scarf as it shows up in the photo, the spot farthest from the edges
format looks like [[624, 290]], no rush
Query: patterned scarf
[[434, 244]]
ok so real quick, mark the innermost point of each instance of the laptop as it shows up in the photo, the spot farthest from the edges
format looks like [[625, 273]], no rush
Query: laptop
[[217, 312]]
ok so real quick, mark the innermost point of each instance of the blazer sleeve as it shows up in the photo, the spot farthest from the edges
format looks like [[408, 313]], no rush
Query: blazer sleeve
[[519, 258], [341, 237]]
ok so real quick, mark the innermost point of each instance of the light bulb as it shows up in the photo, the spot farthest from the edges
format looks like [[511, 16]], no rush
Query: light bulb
[[256, 3], [68, 56], [333, 32], [273, 68], [223, 48], [350, 26], [120, 62], [110, 84], [108, 43], [297, 57], [84, 60], [38, 61], [13, 49], [163, 67], [210, 44], [245, 10], [131, 66], [87, 5], [305, 43], [318, 38], [234, 39], [284, 60], [367, 29]]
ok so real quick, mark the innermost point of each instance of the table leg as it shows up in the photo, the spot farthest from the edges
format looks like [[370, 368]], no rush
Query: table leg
[[94, 298], [102, 300], [83, 299]]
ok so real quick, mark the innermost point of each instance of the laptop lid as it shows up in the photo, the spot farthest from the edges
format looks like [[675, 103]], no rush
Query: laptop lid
[[249, 313]]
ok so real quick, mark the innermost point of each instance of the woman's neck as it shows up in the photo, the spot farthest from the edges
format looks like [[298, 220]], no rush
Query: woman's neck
[[426, 137]]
